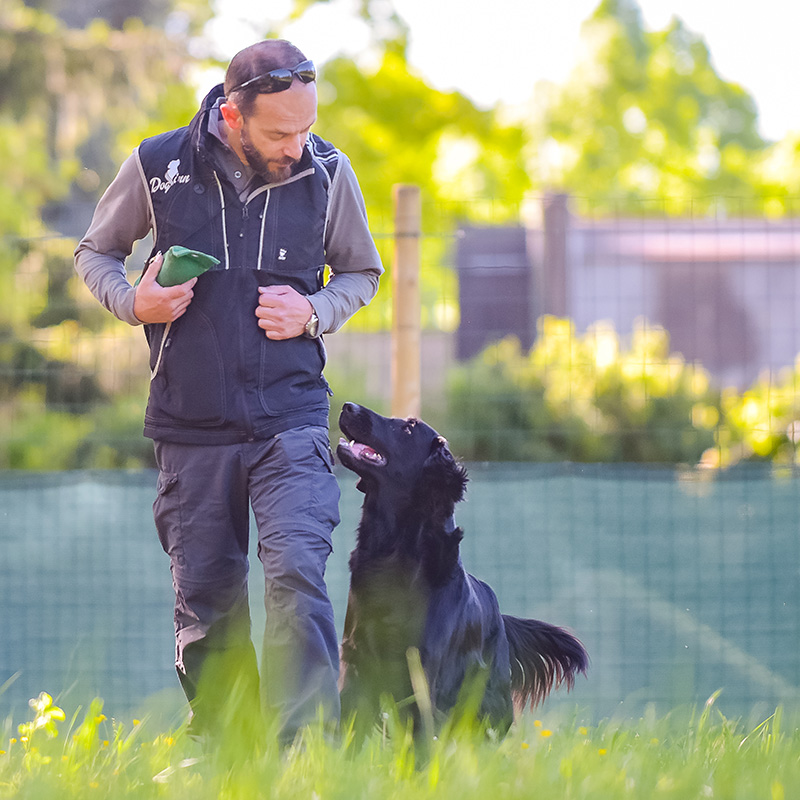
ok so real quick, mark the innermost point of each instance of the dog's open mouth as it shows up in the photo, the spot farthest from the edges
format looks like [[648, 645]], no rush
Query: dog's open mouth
[[362, 452]]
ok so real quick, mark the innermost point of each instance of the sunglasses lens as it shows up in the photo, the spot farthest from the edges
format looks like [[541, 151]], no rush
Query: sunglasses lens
[[277, 80], [306, 72]]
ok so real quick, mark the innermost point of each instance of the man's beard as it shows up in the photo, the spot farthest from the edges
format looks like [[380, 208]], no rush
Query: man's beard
[[272, 170]]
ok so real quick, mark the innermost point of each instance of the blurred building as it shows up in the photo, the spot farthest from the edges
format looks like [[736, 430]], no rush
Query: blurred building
[[726, 290]]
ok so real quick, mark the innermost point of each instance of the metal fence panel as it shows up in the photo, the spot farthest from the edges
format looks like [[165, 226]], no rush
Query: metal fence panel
[[677, 583]]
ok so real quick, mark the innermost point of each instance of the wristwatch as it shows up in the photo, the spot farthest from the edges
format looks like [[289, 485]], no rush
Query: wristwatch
[[312, 326]]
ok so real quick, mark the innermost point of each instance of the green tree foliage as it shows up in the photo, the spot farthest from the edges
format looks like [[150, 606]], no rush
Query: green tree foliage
[[396, 129], [646, 116], [469, 163], [779, 170], [72, 103], [186, 15]]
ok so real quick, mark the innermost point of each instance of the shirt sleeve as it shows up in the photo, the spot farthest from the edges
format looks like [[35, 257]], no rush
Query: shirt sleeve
[[121, 218], [350, 253]]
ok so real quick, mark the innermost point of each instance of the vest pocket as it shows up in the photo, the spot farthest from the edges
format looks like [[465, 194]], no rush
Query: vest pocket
[[189, 386], [290, 376]]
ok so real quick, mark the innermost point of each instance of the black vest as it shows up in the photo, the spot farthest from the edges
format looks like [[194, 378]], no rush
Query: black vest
[[217, 378]]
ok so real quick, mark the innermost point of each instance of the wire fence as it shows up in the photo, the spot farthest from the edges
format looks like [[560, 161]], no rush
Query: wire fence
[[576, 335], [622, 387], [678, 584]]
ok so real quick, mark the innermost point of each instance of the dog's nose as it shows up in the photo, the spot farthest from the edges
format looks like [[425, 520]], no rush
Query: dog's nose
[[350, 408]]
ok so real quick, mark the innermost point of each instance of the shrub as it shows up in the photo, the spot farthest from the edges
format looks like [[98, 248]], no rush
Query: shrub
[[583, 398]]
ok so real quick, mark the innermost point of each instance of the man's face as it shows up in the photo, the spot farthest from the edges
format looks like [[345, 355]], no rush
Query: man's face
[[274, 134]]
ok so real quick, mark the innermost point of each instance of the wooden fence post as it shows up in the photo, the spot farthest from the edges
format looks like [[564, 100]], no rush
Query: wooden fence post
[[406, 371]]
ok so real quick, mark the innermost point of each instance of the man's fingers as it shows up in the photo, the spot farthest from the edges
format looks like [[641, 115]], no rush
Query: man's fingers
[[155, 303], [180, 311], [273, 296], [276, 290], [282, 311], [180, 297], [153, 268], [180, 289]]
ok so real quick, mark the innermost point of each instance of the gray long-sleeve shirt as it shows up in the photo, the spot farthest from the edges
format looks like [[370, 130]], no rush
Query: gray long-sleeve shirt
[[124, 215]]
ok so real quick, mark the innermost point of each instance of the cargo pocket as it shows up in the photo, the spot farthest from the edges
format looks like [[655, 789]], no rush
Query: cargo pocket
[[167, 516], [326, 489]]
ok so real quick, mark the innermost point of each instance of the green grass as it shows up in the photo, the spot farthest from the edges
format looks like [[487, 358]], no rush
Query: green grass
[[685, 754]]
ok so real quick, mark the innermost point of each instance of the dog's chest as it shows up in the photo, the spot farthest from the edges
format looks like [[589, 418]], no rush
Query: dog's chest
[[387, 608]]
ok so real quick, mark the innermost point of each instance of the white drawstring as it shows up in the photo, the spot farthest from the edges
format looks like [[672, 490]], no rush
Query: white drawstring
[[263, 223], [224, 224], [154, 371]]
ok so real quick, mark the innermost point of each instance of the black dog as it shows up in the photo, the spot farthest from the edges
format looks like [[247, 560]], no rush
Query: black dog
[[408, 589]]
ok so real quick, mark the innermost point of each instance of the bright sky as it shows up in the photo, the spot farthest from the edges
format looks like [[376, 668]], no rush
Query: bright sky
[[501, 57]]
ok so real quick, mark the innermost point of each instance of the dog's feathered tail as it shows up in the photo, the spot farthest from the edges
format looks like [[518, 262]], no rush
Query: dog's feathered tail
[[543, 657]]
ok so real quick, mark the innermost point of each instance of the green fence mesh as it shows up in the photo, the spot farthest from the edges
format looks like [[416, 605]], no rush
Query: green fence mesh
[[679, 583]]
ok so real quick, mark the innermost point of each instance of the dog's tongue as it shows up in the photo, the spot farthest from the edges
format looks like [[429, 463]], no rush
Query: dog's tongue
[[364, 451], [360, 450]]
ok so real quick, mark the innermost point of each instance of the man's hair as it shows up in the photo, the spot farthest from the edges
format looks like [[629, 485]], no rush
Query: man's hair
[[253, 61]]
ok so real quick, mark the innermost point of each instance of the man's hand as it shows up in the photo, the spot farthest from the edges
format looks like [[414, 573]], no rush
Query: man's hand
[[282, 312], [155, 303]]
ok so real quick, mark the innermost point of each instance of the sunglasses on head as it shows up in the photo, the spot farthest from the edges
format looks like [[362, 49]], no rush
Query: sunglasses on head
[[278, 80]]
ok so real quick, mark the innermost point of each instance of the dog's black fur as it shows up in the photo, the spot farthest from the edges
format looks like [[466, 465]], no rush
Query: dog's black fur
[[408, 588]]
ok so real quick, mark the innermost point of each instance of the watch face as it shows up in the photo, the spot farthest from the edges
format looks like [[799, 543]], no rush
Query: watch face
[[312, 325]]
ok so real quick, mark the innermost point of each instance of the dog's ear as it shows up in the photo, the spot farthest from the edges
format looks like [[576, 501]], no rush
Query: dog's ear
[[443, 474]]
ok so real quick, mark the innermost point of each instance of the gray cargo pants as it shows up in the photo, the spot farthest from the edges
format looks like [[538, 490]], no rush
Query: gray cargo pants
[[202, 517]]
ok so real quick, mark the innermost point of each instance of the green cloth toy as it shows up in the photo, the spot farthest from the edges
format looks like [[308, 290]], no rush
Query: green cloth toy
[[182, 264]]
